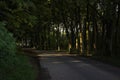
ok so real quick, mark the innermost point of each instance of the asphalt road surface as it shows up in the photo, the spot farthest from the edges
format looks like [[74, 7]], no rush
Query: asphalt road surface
[[63, 67]]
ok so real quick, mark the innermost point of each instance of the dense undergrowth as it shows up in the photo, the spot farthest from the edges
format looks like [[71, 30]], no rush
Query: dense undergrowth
[[13, 66]]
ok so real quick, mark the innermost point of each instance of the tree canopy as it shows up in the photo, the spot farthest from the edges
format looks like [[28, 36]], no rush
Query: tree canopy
[[82, 26]]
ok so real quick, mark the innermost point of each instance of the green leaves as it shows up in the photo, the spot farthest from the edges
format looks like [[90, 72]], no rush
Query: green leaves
[[7, 43], [13, 66], [16, 12]]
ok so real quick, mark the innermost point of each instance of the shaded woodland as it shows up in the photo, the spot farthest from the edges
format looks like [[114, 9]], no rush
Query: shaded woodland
[[85, 27]]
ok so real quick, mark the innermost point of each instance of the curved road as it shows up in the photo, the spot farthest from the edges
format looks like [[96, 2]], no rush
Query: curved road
[[64, 67]]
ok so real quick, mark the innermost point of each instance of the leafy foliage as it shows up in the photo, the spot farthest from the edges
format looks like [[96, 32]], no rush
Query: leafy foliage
[[7, 43], [88, 26], [12, 66]]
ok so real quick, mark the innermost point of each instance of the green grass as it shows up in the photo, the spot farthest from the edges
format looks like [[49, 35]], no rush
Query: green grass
[[16, 67]]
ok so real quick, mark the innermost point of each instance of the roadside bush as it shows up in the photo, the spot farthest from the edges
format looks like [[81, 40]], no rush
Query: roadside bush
[[13, 66]]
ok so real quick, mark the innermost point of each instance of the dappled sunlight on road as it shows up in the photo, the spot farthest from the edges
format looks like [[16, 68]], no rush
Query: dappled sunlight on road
[[61, 62], [51, 60], [76, 61], [53, 54], [57, 62]]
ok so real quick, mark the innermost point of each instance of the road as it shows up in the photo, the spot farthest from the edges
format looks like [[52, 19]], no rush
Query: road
[[64, 67]]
